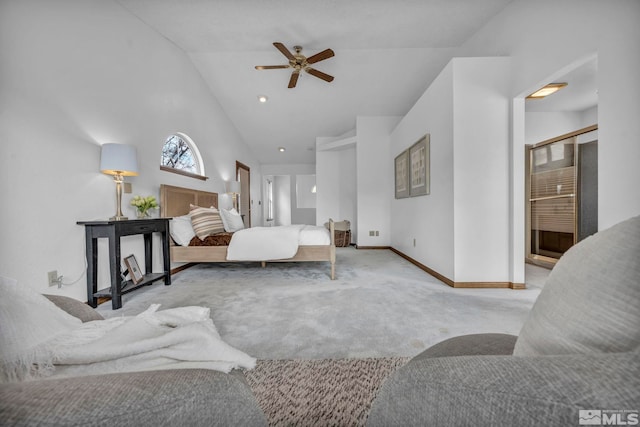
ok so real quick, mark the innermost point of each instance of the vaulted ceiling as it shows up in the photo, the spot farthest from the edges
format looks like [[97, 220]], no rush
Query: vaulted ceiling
[[386, 55]]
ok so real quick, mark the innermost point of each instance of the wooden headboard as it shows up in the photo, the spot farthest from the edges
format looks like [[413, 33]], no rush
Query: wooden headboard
[[175, 201]]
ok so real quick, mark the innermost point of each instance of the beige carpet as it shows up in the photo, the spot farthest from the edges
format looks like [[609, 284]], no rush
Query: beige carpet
[[329, 392], [380, 305]]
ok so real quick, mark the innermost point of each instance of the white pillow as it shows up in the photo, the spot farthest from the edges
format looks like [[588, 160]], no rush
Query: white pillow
[[232, 219], [225, 224], [181, 230]]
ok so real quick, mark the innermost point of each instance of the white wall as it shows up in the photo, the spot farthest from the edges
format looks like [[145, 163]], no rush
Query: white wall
[[460, 228], [428, 219], [481, 169], [589, 117], [75, 74], [543, 37], [540, 126], [348, 192], [328, 182], [282, 200], [336, 179], [373, 183], [573, 31]]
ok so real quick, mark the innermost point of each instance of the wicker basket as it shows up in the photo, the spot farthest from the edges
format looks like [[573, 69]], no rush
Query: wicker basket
[[343, 238], [342, 232]]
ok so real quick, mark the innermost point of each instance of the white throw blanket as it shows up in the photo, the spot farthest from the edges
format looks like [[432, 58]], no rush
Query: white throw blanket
[[264, 243], [170, 339]]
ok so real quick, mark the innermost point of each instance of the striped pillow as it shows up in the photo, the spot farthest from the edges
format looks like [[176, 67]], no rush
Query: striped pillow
[[205, 221]]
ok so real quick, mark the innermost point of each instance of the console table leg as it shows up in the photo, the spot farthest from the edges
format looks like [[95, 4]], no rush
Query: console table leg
[[114, 263], [92, 268]]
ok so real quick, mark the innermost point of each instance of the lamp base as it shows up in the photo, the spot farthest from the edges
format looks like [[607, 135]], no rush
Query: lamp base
[[118, 218]]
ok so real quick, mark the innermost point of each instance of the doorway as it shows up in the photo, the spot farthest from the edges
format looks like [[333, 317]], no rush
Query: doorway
[[561, 181], [243, 176], [560, 162]]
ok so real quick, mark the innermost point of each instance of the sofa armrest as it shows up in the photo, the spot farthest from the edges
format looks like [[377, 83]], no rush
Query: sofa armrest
[[75, 308], [472, 345], [189, 397], [507, 390]]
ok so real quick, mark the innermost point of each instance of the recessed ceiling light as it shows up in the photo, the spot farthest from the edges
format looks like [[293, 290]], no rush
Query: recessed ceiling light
[[263, 98], [281, 149], [547, 90]]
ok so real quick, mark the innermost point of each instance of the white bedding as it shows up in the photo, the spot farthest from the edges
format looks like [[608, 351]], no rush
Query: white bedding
[[274, 243], [312, 235]]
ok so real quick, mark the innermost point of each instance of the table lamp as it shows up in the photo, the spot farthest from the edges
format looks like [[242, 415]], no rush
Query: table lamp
[[233, 188], [119, 160]]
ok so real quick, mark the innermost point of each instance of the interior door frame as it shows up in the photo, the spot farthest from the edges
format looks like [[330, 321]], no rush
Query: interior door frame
[[245, 188]]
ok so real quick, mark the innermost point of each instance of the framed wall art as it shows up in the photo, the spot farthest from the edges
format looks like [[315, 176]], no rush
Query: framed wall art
[[419, 172], [402, 175]]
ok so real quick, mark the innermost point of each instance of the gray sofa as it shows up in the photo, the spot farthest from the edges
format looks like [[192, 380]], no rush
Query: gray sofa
[[579, 350], [189, 397]]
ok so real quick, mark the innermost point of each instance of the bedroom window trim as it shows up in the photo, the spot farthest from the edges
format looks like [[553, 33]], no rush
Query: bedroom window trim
[[195, 155], [184, 173]]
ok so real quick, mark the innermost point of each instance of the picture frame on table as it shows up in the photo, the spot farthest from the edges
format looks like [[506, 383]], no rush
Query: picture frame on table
[[402, 175], [134, 269], [419, 167]]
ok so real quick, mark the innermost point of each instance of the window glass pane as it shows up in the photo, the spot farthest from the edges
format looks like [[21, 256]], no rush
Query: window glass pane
[[176, 153]]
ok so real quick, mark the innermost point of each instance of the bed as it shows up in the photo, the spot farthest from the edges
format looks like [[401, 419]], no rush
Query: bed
[[176, 201]]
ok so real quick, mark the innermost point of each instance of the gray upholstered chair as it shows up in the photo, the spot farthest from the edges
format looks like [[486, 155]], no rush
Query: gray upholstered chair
[[188, 397], [579, 349]]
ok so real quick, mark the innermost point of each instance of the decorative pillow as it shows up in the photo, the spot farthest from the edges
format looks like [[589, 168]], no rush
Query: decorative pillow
[[205, 221], [589, 303], [232, 219], [225, 224], [28, 319], [181, 230]]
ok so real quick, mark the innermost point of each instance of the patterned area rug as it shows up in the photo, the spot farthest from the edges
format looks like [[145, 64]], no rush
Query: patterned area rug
[[328, 392]]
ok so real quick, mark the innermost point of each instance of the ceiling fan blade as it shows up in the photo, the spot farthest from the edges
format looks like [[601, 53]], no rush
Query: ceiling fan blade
[[319, 74], [284, 51], [294, 79], [325, 54], [271, 67]]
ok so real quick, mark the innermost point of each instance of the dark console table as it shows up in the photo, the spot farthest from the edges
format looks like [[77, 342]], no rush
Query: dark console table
[[113, 230]]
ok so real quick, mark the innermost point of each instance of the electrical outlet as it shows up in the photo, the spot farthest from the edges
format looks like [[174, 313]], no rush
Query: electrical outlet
[[377, 233], [127, 188], [414, 243], [53, 278], [372, 233]]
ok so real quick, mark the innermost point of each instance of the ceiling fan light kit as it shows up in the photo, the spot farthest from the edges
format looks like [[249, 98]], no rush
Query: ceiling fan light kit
[[299, 62]]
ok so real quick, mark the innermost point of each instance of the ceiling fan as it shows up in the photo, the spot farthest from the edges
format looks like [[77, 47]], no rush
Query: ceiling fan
[[299, 62]]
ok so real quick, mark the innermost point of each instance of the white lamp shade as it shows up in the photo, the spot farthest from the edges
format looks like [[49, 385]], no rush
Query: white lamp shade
[[119, 159], [233, 187]]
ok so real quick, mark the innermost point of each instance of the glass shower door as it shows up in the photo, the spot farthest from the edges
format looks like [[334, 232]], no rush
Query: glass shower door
[[552, 199]]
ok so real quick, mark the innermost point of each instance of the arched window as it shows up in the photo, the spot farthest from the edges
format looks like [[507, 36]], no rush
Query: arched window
[[180, 155]]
